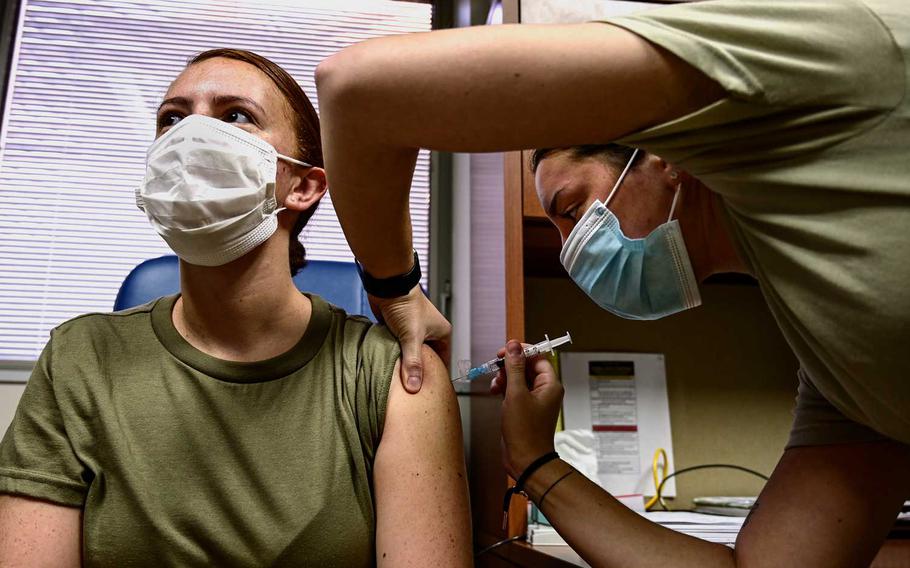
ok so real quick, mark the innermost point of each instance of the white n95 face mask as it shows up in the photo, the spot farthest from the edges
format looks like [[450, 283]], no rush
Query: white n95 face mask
[[642, 279], [209, 190]]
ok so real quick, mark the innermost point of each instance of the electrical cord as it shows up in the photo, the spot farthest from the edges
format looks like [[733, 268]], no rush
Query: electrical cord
[[500, 543], [660, 486]]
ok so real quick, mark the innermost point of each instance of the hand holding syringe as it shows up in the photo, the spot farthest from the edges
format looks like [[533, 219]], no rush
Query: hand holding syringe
[[492, 366]]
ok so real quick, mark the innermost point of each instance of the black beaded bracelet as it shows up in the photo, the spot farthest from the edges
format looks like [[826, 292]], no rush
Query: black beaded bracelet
[[520, 484]]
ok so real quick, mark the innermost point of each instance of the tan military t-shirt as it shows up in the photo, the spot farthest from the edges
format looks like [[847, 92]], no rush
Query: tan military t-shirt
[[181, 459], [810, 151]]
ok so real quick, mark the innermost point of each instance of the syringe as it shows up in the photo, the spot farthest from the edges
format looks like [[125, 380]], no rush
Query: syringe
[[493, 365]]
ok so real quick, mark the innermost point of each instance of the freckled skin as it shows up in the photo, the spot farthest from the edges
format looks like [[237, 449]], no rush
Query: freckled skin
[[432, 507]]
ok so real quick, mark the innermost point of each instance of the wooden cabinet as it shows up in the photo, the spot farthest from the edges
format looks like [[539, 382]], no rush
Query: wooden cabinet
[[530, 207]]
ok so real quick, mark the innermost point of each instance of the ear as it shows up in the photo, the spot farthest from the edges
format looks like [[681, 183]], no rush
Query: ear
[[306, 189], [669, 173]]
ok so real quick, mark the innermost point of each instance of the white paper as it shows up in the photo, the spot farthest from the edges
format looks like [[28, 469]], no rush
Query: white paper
[[577, 448], [695, 519], [622, 398], [721, 530]]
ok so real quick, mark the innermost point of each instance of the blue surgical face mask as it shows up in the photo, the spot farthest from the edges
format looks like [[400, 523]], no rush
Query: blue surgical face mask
[[642, 279]]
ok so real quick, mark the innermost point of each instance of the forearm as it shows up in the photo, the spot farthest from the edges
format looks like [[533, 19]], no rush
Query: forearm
[[607, 533], [369, 166], [370, 186]]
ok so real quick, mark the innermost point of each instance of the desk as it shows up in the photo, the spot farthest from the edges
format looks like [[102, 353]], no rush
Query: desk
[[895, 553]]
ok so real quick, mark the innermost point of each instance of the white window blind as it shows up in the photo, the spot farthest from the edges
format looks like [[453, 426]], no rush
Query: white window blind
[[86, 79]]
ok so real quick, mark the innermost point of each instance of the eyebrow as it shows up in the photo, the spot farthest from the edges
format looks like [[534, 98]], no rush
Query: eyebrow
[[178, 101], [551, 207], [219, 100]]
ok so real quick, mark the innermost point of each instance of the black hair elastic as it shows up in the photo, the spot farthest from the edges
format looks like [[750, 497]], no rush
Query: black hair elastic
[[519, 486], [555, 483]]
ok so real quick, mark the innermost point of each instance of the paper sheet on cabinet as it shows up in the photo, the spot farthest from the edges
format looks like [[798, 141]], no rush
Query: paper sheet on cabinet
[[622, 397]]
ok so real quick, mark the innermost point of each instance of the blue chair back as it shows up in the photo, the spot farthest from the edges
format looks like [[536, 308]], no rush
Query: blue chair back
[[150, 279], [337, 282]]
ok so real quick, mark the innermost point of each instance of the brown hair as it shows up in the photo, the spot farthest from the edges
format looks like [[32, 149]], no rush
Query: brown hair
[[615, 155], [306, 126]]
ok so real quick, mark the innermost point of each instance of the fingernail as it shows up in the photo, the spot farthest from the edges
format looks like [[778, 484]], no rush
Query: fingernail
[[514, 348], [414, 382]]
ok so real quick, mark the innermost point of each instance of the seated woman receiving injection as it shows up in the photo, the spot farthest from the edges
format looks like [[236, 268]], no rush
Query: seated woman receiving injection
[[240, 422]]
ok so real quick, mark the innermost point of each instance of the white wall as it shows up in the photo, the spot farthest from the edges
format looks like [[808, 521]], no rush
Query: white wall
[[12, 383], [487, 250], [9, 398]]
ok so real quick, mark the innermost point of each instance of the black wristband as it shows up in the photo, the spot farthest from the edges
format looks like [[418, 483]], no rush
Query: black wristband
[[393, 286], [520, 484], [532, 467]]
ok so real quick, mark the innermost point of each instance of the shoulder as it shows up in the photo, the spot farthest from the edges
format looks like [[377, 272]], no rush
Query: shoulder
[[95, 322], [98, 340], [365, 355], [380, 349], [363, 358], [434, 404], [782, 51], [368, 346]]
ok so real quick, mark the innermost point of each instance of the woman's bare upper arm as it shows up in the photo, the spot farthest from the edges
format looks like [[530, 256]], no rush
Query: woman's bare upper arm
[[420, 483], [511, 87], [480, 89], [37, 533]]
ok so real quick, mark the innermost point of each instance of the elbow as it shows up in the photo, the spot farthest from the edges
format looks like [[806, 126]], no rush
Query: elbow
[[357, 75], [327, 73], [339, 78]]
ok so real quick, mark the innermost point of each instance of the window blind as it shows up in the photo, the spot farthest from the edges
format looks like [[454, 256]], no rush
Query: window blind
[[86, 79]]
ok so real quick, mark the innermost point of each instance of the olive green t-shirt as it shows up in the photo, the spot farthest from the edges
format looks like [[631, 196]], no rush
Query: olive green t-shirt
[[181, 459], [810, 152]]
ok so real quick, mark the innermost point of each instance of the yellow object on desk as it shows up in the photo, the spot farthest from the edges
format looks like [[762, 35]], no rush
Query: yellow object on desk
[[655, 465]]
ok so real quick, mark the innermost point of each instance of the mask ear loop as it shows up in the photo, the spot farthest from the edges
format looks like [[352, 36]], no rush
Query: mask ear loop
[[621, 177], [294, 161], [675, 199]]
